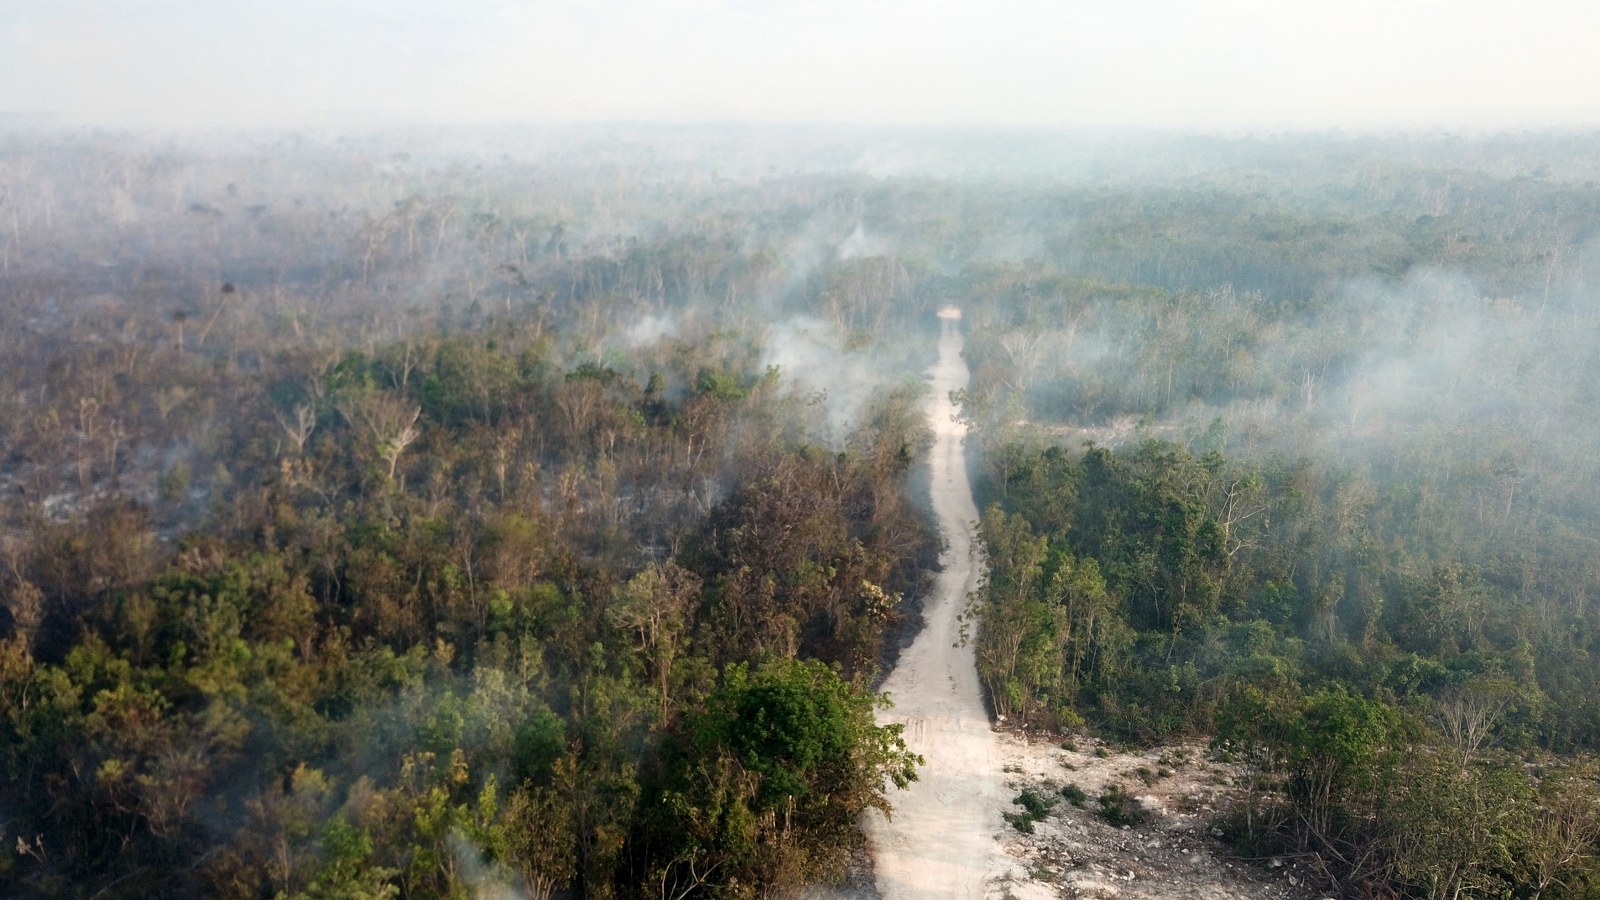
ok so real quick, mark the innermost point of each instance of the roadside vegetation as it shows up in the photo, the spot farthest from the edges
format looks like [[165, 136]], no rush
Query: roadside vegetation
[[1339, 522], [389, 516]]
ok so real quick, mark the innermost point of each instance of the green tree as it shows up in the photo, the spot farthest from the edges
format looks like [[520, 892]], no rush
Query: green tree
[[761, 788]]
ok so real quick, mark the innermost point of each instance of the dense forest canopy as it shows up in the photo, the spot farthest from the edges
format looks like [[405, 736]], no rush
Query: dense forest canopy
[[409, 514]]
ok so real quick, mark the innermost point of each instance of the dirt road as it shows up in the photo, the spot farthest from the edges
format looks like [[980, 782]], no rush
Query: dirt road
[[941, 841], [948, 837]]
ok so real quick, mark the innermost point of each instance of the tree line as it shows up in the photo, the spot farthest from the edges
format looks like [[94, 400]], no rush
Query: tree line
[[395, 515]]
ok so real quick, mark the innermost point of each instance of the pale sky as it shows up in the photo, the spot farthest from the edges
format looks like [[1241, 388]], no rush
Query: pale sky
[[1217, 64]]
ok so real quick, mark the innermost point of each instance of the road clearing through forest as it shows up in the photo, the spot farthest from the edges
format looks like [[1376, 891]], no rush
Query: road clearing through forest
[[941, 841], [949, 837]]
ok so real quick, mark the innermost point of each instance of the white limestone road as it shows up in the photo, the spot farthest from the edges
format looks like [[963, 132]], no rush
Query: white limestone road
[[941, 840]]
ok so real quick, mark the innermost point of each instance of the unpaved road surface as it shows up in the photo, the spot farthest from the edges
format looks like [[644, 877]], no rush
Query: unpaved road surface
[[948, 836], [941, 841]]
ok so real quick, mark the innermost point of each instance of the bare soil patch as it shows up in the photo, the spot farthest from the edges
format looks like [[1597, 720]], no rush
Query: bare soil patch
[[1168, 848]]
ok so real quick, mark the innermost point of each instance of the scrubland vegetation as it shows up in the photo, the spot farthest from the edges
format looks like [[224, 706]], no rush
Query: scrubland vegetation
[[1305, 467], [427, 515]]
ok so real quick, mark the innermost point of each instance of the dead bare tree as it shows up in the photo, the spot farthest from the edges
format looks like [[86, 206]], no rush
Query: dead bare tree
[[389, 421], [299, 430], [227, 291], [1468, 713], [1566, 826]]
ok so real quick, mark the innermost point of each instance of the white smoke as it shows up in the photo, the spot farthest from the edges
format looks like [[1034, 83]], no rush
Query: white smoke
[[649, 330], [858, 245], [485, 880], [812, 354]]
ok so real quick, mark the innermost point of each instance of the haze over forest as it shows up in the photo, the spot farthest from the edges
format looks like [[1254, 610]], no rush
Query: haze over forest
[[482, 451]]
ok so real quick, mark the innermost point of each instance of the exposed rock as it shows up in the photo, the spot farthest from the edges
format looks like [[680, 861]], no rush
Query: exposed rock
[[1171, 851]]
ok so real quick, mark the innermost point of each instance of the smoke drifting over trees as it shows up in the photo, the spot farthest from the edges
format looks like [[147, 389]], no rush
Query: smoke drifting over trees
[[409, 514]]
